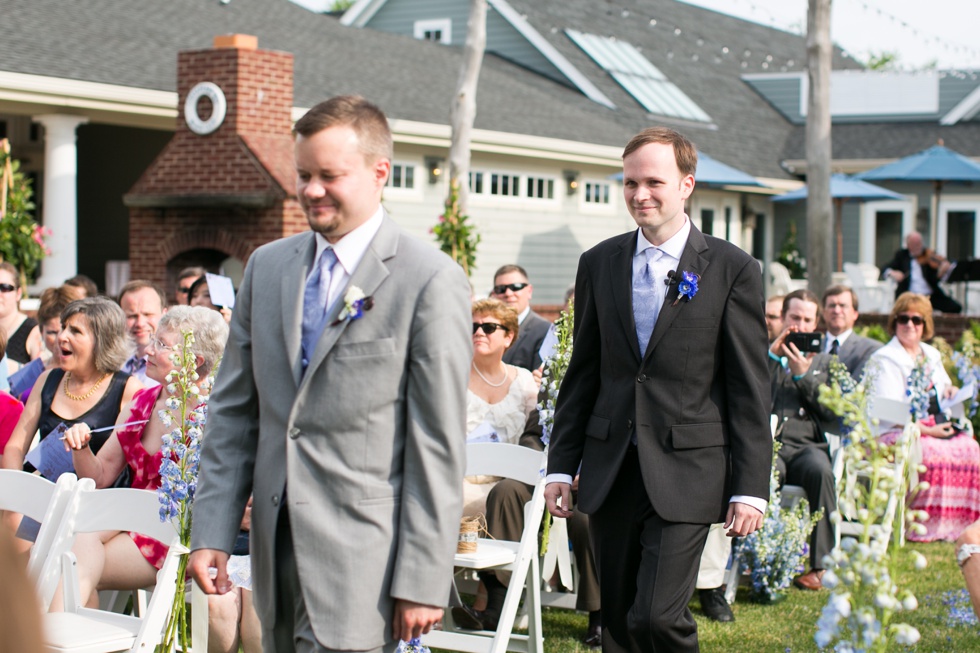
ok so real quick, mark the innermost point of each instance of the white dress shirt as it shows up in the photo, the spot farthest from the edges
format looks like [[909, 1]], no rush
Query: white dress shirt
[[350, 249]]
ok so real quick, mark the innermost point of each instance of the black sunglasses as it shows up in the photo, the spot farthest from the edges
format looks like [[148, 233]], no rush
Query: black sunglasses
[[513, 287], [183, 291], [914, 319], [487, 327], [6, 287]]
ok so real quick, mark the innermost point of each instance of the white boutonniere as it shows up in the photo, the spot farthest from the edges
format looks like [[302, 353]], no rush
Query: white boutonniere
[[355, 304]]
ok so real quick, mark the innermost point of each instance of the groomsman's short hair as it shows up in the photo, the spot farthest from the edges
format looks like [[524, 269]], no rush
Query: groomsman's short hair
[[366, 119], [803, 295], [685, 153]]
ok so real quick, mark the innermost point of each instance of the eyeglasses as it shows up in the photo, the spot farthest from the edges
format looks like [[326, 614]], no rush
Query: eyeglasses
[[914, 319], [513, 287], [487, 327], [160, 345], [7, 287]]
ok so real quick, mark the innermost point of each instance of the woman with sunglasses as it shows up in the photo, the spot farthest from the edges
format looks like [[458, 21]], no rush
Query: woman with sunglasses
[[23, 336], [500, 396], [950, 455]]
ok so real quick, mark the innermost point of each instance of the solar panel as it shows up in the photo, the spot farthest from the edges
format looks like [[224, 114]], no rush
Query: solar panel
[[638, 77]]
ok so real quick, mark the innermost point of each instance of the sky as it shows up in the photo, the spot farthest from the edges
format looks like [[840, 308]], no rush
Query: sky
[[920, 32]]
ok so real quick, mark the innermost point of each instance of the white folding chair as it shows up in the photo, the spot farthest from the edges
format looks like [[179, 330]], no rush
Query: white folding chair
[[84, 630], [45, 502], [520, 558]]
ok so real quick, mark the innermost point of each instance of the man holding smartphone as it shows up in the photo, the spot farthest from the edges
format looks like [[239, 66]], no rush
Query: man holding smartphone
[[804, 458]]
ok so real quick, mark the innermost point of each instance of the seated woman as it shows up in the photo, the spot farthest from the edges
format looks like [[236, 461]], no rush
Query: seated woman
[[88, 385], [951, 457], [117, 560], [10, 408], [500, 397], [23, 337]]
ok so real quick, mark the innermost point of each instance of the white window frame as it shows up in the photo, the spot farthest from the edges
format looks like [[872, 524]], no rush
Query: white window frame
[[404, 165], [520, 182], [868, 231], [417, 192], [443, 25], [549, 182], [956, 203], [584, 186]]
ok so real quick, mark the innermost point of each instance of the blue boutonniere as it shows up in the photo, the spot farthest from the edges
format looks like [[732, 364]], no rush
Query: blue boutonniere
[[687, 287], [355, 304]]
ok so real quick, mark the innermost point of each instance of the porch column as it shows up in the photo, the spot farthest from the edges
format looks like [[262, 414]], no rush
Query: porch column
[[60, 197]]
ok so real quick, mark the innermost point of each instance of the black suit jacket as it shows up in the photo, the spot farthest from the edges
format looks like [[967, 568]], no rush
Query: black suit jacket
[[903, 263], [525, 351], [698, 400]]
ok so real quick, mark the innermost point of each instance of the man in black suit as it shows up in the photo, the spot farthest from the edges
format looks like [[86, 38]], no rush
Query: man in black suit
[[923, 279], [804, 458], [510, 285], [840, 313], [665, 403]]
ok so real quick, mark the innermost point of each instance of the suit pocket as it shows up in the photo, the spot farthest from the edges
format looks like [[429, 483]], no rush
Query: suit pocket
[[598, 427], [698, 436], [370, 348]]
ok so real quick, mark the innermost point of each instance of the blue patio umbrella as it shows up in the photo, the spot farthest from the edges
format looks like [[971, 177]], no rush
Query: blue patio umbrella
[[842, 189], [937, 164], [712, 172]]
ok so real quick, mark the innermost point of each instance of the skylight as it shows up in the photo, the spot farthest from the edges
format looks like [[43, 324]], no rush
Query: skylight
[[638, 77]]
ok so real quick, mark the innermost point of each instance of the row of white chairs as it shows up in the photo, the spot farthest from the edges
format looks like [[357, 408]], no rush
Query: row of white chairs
[[73, 506]]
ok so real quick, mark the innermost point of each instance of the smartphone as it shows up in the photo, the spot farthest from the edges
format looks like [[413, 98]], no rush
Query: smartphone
[[806, 342]]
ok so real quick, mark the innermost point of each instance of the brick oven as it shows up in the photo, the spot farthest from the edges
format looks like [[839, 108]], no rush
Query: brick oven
[[225, 183]]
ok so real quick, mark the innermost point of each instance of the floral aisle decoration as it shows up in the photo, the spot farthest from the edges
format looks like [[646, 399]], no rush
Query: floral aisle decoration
[[186, 414], [862, 610], [775, 553], [455, 234], [551, 378], [22, 240], [919, 389]]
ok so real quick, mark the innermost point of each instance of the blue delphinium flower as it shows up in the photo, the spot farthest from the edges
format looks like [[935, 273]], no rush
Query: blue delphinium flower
[[918, 389], [414, 645]]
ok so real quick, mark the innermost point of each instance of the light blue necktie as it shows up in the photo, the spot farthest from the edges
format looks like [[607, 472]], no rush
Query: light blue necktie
[[315, 302], [646, 300]]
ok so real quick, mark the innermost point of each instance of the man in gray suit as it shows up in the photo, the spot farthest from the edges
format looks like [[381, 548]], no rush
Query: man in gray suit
[[510, 285], [340, 403], [840, 313]]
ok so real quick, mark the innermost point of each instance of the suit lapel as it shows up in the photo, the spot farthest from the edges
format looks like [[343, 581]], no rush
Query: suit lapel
[[293, 286], [691, 261], [368, 276], [621, 273]]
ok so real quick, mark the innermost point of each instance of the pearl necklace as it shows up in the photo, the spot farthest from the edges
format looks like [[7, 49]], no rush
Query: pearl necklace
[[87, 394], [486, 380]]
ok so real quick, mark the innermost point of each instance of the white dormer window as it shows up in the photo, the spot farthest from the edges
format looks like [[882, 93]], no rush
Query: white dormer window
[[438, 30]]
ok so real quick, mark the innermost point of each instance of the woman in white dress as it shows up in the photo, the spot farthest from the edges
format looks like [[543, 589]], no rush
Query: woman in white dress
[[500, 396]]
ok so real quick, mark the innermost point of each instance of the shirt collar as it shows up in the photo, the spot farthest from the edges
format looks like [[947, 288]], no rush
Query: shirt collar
[[350, 249], [523, 314], [673, 246], [844, 335]]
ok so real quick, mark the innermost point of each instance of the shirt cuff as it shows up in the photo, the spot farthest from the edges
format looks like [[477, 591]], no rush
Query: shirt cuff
[[756, 502], [558, 478]]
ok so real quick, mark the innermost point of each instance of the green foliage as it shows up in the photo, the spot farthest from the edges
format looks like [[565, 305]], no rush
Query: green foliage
[[873, 331], [789, 254], [882, 61], [21, 238], [341, 5], [455, 234]]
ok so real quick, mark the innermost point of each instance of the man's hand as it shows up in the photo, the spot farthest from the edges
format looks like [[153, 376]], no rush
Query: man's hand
[[555, 491], [413, 619], [897, 275], [200, 564], [797, 361], [742, 519]]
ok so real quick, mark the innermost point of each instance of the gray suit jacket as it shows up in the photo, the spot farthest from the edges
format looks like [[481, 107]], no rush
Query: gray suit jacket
[[370, 440], [855, 352]]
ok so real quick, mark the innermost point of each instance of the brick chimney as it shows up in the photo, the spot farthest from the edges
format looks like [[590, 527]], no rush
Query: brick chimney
[[222, 183]]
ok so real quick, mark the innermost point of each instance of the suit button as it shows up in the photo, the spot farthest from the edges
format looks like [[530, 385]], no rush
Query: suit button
[[294, 433], [642, 378], [629, 424], [275, 499]]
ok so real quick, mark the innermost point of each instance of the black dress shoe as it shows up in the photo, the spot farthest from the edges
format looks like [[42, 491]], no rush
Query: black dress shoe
[[469, 619], [593, 638], [714, 606]]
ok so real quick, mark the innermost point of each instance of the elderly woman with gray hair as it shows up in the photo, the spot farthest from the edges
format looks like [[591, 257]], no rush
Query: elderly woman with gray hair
[[87, 386], [118, 560]]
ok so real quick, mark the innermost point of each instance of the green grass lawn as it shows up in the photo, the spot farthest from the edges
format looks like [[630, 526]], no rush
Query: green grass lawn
[[790, 625]]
